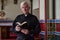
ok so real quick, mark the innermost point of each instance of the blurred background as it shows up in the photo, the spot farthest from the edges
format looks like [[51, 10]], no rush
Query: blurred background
[[47, 11]]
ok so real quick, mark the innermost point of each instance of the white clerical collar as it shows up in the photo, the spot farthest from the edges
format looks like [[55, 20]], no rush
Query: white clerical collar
[[25, 14]]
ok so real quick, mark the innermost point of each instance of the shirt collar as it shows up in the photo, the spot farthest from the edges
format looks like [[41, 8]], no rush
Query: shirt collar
[[26, 15]]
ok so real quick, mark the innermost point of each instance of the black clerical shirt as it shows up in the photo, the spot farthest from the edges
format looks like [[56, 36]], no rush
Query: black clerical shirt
[[32, 23]]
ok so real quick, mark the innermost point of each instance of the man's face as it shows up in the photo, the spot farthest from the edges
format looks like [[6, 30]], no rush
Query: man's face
[[25, 8]]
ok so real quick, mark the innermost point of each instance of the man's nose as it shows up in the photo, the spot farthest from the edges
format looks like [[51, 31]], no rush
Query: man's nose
[[25, 9]]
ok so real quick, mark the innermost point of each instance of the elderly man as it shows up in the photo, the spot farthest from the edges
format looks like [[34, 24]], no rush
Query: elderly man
[[26, 25]]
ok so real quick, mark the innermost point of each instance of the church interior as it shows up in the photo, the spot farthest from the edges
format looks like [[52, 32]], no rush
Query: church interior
[[47, 11]]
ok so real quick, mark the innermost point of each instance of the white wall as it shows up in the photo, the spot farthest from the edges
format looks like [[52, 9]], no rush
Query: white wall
[[11, 9], [50, 9], [36, 8], [42, 10], [57, 9], [35, 4]]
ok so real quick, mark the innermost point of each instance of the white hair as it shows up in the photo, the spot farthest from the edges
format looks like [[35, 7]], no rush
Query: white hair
[[22, 3]]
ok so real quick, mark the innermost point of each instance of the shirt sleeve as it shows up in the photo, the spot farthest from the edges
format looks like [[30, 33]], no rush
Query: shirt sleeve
[[14, 25]]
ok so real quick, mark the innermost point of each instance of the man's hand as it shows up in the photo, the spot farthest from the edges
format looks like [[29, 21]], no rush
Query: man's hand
[[17, 28], [25, 31]]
